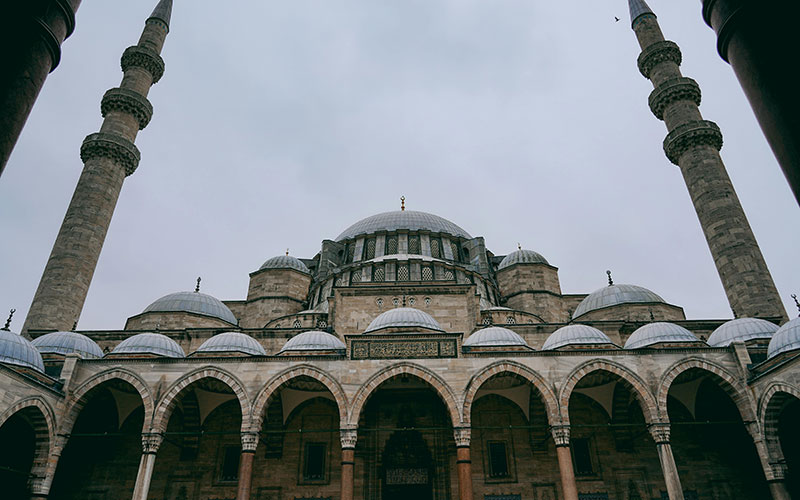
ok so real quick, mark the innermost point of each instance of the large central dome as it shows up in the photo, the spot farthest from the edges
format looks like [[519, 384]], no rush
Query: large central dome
[[403, 219]]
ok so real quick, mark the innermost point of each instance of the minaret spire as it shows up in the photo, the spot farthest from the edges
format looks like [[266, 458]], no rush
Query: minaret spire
[[693, 144], [109, 156]]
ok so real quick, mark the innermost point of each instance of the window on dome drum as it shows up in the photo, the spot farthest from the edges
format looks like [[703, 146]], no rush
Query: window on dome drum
[[413, 245], [391, 245], [338, 281], [322, 324], [511, 321], [378, 274], [582, 457], [436, 248], [465, 255], [369, 249], [403, 273], [454, 247], [448, 275], [427, 273], [314, 462], [355, 276], [498, 459], [351, 251], [229, 469], [297, 324]]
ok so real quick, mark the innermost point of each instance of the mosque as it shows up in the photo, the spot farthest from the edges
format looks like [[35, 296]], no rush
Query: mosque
[[405, 359]]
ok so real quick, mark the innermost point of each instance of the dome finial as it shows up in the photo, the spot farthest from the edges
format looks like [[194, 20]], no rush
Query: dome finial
[[794, 296], [519, 246], [197, 288], [8, 321], [287, 252], [610, 279], [402, 203]]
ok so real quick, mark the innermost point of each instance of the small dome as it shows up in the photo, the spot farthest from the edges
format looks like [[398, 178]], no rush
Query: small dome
[[657, 333], [494, 336], [403, 219], [404, 317], [285, 262], [787, 338], [233, 342], [193, 302], [742, 330], [16, 350], [68, 343], [150, 343], [522, 256], [613, 295], [575, 335], [314, 341]]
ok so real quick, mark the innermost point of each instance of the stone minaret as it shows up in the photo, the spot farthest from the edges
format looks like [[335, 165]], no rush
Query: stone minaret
[[694, 144], [108, 156]]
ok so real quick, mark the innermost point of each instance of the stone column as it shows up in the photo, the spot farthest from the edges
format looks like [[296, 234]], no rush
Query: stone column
[[348, 437], [462, 436], [561, 438], [150, 445], [249, 445], [40, 486], [660, 433], [774, 466]]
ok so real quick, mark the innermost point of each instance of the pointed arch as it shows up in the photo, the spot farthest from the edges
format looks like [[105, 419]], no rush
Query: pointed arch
[[638, 386], [439, 385], [727, 381], [41, 417], [164, 409], [478, 379], [78, 398], [769, 410]]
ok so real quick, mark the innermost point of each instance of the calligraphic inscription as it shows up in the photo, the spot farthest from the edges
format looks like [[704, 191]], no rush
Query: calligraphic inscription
[[403, 349], [406, 476], [502, 497]]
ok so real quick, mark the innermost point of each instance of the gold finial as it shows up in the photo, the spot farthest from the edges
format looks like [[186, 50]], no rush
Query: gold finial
[[794, 296], [610, 281], [287, 252], [197, 288], [8, 321], [402, 203], [519, 246]]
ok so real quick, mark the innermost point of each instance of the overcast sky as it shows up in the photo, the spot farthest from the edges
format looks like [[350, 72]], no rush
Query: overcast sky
[[279, 123]]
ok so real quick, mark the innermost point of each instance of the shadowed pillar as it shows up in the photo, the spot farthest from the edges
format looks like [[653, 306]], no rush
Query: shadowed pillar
[[694, 144], [348, 438], [772, 462], [150, 445], [561, 438], [31, 34], [249, 445], [109, 156], [462, 436], [660, 433]]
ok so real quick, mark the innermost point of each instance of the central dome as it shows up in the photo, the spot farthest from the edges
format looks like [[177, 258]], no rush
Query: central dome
[[403, 219]]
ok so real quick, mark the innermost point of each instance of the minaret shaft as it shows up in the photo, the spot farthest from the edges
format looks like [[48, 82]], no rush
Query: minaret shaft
[[109, 156], [693, 144]]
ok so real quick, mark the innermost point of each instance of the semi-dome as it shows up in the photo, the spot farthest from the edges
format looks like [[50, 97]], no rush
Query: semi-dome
[[522, 256], [742, 330], [313, 341], [16, 350], [68, 343], [150, 343], [613, 295], [403, 219], [193, 302], [494, 336], [285, 262], [232, 342], [786, 339], [659, 333], [575, 335], [404, 317]]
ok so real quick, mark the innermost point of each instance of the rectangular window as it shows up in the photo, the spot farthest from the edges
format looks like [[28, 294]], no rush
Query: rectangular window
[[498, 459], [230, 464], [582, 457], [314, 464]]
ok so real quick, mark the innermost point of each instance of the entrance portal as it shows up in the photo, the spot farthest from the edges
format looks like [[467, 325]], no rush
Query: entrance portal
[[407, 467]]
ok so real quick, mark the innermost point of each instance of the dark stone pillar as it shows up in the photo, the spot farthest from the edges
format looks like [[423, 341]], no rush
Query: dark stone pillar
[[569, 488], [249, 445], [759, 39], [464, 462], [348, 439], [31, 34]]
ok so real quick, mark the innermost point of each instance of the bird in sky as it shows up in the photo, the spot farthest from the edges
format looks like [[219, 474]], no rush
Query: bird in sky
[[616, 19]]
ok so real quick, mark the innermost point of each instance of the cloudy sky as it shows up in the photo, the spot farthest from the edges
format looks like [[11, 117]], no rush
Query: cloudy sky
[[279, 123]]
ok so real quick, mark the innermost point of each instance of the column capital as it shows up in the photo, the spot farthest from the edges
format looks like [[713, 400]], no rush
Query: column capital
[[660, 432], [348, 437], [560, 434], [39, 487], [249, 441], [151, 441], [778, 471], [463, 436]]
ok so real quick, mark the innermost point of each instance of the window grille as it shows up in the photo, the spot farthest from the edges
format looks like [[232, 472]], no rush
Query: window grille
[[355, 276], [413, 245], [297, 324], [322, 324], [436, 249], [378, 274], [351, 251], [391, 245], [338, 281], [369, 249], [454, 247], [427, 273], [487, 321], [403, 273], [511, 321], [448, 275]]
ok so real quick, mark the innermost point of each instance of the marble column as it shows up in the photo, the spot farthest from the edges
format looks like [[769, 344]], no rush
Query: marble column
[[348, 439], [150, 444], [561, 438], [462, 437], [661, 434], [249, 445]]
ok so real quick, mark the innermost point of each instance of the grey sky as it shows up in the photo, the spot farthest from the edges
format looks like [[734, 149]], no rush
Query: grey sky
[[280, 123]]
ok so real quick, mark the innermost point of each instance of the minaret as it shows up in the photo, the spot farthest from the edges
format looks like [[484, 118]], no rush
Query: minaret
[[694, 144], [108, 156]]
